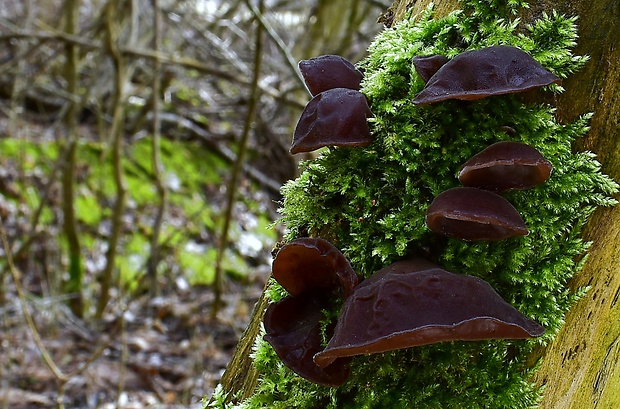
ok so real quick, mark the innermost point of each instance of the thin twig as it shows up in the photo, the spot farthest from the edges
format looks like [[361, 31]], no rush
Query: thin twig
[[238, 166], [156, 157], [116, 132]]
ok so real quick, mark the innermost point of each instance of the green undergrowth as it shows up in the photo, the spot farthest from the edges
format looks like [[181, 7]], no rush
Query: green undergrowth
[[371, 203], [193, 176]]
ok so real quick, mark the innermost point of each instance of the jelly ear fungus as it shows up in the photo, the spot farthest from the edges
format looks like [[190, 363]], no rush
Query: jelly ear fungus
[[505, 166], [313, 271], [329, 71], [414, 302], [472, 214], [482, 73], [336, 117]]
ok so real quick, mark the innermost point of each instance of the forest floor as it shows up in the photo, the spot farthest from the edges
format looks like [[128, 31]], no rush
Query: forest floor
[[166, 352]]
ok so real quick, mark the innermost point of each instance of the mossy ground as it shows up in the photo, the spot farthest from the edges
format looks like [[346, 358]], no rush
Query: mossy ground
[[371, 203]]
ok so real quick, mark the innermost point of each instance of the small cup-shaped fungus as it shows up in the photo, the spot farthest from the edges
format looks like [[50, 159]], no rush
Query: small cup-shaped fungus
[[505, 166], [472, 214], [481, 73], [329, 71], [336, 117], [310, 264], [293, 328], [410, 303], [426, 67], [313, 271]]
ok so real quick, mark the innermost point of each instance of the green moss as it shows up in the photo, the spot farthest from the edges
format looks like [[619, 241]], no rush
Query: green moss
[[371, 203]]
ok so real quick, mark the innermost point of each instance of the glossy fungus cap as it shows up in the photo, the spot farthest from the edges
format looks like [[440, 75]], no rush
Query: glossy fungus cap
[[309, 264], [426, 67], [506, 166], [293, 328], [410, 303], [481, 73], [336, 117], [472, 214], [329, 71]]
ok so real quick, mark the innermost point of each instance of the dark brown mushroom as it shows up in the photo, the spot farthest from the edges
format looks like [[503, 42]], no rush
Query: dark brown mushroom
[[426, 67], [336, 117], [309, 264], [481, 73], [293, 328], [329, 71], [412, 303], [472, 214], [505, 166]]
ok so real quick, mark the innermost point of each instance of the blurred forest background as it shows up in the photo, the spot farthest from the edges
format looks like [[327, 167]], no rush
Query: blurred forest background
[[142, 147]]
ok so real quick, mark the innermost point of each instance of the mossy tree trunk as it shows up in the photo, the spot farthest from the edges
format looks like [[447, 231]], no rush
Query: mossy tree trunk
[[581, 367]]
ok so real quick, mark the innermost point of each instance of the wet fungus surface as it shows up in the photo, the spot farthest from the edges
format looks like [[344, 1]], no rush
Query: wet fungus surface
[[472, 214], [506, 166], [412, 303], [336, 117], [426, 67], [313, 271], [485, 72], [329, 71], [293, 328]]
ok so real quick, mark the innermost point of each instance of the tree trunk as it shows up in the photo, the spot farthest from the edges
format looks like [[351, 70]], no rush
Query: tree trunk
[[581, 367]]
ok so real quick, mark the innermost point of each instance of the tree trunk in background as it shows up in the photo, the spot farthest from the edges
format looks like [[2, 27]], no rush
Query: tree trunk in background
[[581, 367]]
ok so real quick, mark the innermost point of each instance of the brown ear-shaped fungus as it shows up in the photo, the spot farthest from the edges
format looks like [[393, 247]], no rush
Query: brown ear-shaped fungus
[[506, 166], [293, 328], [481, 73], [474, 214], [329, 71], [426, 67], [336, 117], [405, 305], [309, 264]]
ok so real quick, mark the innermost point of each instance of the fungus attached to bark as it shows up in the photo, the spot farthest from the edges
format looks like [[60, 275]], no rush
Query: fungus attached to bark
[[412, 303], [426, 67], [506, 166], [293, 328], [481, 73], [329, 71], [474, 214], [336, 117], [310, 264]]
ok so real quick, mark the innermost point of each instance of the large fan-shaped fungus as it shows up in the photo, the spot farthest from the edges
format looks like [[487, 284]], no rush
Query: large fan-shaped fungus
[[410, 303], [481, 73], [309, 264], [505, 166], [293, 328], [336, 117], [329, 71], [474, 214]]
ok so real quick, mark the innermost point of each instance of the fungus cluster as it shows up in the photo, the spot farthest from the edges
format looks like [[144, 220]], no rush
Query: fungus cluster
[[408, 303], [411, 302], [337, 114], [476, 211]]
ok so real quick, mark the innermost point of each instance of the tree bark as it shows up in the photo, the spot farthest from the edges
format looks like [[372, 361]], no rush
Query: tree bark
[[581, 367]]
